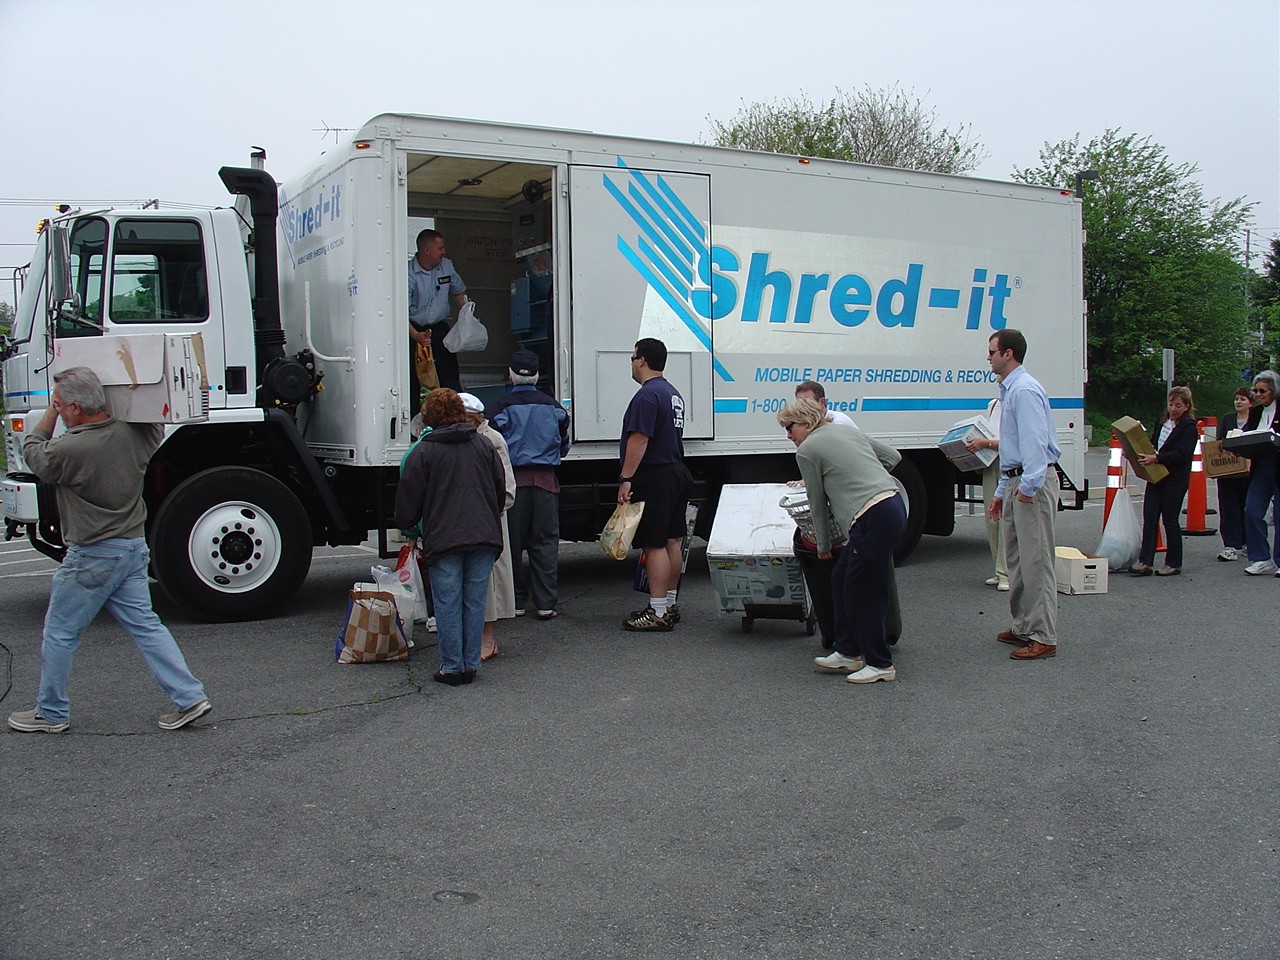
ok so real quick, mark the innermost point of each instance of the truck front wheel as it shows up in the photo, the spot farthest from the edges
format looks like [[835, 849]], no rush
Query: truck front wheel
[[231, 543], [911, 488]]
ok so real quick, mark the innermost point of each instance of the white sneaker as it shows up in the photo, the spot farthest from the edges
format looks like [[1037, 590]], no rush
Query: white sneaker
[[1228, 553], [1260, 568], [870, 674], [1003, 585], [991, 581], [837, 662], [431, 624]]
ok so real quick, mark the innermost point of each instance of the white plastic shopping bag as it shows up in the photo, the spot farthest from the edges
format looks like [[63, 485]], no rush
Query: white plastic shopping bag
[[468, 334]]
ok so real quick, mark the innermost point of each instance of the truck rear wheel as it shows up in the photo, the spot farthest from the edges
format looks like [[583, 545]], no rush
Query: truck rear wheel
[[231, 543], [911, 487]]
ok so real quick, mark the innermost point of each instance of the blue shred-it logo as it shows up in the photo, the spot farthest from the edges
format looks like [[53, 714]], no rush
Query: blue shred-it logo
[[670, 249], [702, 282]]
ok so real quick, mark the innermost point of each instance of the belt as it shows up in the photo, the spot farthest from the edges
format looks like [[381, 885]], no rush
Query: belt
[[1017, 471]]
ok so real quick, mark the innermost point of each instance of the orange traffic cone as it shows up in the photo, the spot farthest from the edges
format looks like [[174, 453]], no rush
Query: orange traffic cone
[[1116, 475], [1198, 492]]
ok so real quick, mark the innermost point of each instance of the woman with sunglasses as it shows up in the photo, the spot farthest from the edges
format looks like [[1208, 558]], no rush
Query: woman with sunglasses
[[1264, 489], [846, 477]]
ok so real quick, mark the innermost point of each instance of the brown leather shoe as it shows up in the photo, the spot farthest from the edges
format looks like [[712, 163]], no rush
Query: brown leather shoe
[[1008, 636], [1035, 650]]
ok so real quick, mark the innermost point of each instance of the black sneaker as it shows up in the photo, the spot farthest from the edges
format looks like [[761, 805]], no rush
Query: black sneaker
[[673, 611], [649, 620]]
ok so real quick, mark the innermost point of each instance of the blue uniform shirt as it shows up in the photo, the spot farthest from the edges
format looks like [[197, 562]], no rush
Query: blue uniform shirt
[[429, 292]]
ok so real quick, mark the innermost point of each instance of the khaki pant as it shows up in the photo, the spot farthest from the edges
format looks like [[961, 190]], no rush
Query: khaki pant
[[1028, 542]]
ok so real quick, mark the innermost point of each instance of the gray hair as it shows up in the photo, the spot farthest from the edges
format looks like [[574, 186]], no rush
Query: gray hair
[[81, 386], [1272, 378], [805, 411], [519, 380]]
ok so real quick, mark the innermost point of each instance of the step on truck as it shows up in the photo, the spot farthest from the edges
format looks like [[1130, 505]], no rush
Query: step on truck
[[759, 271]]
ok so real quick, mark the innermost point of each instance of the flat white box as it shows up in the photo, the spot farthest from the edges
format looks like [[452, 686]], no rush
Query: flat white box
[[149, 377], [1079, 574], [750, 553], [953, 441]]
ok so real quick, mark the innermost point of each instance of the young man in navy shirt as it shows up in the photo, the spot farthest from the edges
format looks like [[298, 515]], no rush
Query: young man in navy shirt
[[653, 471]]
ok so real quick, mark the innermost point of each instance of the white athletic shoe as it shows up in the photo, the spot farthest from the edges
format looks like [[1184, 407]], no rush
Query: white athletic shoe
[[1228, 553], [1260, 568], [836, 662], [870, 674]]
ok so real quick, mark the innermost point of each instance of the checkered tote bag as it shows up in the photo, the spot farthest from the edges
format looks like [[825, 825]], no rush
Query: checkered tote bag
[[372, 630]]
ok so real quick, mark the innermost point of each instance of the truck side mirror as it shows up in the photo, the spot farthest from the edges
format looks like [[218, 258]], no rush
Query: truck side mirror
[[64, 297]]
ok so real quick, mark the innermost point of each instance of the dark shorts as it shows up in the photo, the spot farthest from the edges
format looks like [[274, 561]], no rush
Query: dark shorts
[[665, 491]]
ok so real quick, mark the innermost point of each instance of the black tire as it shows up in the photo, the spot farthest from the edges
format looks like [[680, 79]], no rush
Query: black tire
[[231, 543], [911, 487]]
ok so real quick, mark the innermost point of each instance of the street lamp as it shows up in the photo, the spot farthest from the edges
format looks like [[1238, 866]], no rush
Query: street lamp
[[1081, 177]]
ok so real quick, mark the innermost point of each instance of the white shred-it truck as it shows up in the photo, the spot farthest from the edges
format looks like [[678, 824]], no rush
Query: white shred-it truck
[[757, 270]]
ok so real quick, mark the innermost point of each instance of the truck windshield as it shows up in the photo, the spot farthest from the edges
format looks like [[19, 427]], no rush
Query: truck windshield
[[24, 319]]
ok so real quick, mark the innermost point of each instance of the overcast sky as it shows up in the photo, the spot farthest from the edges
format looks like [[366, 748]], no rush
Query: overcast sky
[[113, 100]]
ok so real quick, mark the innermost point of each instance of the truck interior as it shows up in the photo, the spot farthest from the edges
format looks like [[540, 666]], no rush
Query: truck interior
[[496, 217]]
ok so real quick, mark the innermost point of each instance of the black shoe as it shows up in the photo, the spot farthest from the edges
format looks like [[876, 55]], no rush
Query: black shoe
[[468, 676], [450, 679], [673, 611]]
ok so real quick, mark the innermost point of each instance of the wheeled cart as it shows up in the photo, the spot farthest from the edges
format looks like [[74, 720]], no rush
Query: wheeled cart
[[754, 570]]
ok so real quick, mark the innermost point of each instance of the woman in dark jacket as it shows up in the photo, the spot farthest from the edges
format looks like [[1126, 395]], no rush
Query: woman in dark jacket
[[1264, 477], [1233, 490], [1175, 441], [454, 484]]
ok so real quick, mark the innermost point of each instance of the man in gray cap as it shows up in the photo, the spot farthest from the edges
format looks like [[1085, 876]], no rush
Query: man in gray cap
[[536, 429]]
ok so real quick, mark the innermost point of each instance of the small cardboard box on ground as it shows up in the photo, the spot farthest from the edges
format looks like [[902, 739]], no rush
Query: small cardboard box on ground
[[149, 378], [750, 552], [1079, 572], [1136, 443], [953, 441]]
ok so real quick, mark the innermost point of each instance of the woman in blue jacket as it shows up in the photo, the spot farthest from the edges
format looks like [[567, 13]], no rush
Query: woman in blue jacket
[[1175, 441]]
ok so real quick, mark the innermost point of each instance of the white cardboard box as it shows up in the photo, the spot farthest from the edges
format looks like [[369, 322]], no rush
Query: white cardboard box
[[953, 441], [1079, 572], [149, 377], [750, 552]]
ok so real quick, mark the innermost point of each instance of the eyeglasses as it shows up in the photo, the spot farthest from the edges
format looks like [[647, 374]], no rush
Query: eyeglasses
[[992, 353], [1261, 389], [787, 426], [637, 358]]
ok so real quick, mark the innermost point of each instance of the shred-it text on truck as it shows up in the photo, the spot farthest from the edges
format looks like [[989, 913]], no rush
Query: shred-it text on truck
[[758, 271]]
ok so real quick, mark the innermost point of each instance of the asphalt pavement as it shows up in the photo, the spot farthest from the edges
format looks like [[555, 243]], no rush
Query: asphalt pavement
[[701, 793]]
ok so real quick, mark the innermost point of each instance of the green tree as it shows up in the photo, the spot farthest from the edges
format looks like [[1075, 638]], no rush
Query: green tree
[[892, 128], [1162, 268], [1264, 297], [6, 317]]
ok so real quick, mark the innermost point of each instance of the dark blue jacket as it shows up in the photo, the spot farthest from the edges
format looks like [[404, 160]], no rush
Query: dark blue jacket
[[534, 425], [1179, 450]]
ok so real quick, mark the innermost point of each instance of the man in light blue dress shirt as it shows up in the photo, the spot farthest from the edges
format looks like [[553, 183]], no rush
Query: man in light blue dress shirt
[[433, 284], [1026, 500]]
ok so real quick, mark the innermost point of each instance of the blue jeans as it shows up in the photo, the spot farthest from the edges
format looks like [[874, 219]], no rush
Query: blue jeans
[[459, 583], [1263, 492], [111, 574]]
